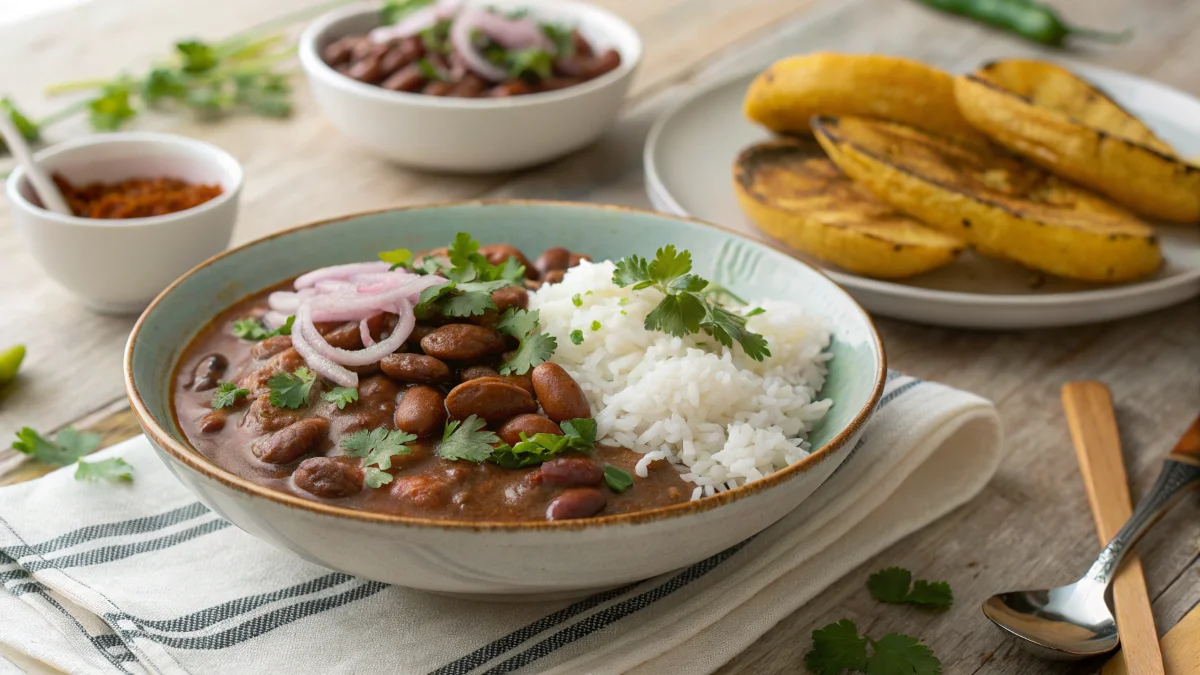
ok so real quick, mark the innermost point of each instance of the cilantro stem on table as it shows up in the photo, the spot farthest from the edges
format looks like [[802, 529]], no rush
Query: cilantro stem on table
[[685, 309]]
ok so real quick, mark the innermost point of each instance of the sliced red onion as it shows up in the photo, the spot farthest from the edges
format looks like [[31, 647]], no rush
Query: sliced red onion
[[373, 353], [304, 336], [364, 329], [284, 301], [340, 272], [274, 319], [416, 22], [460, 36], [512, 33]]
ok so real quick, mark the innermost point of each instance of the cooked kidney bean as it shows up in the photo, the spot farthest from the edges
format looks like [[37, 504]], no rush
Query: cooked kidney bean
[[554, 83], [498, 254], [368, 69], [530, 424], [375, 407], [345, 336], [415, 368], [559, 393], [421, 411], [266, 417], [264, 350], [328, 477], [212, 422], [463, 342], [514, 88], [577, 258], [402, 54], [582, 46], [209, 372], [421, 490], [284, 362], [408, 78], [438, 88], [491, 399], [471, 86], [475, 372], [606, 62], [289, 443], [581, 502], [557, 258], [572, 472], [511, 296], [553, 277], [341, 51]]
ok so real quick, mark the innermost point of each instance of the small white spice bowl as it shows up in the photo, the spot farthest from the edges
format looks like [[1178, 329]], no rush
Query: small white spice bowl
[[119, 266]]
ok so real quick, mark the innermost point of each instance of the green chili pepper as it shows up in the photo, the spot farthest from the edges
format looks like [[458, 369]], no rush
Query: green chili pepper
[[1030, 19]]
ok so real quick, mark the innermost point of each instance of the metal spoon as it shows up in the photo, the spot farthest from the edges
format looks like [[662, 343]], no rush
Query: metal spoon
[[1074, 622], [45, 188]]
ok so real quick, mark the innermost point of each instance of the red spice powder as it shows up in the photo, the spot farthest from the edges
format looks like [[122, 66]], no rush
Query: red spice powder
[[134, 198]]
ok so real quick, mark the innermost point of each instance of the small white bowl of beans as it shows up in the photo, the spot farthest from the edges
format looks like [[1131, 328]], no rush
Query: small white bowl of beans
[[430, 94]]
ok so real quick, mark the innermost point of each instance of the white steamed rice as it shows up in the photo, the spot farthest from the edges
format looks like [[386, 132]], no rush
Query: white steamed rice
[[721, 417]]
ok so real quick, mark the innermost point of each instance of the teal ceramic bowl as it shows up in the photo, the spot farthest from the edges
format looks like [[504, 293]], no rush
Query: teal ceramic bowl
[[504, 559]]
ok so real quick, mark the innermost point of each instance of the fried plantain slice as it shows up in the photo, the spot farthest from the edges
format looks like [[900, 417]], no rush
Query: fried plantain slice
[[1066, 125], [791, 191], [792, 90], [1001, 206]]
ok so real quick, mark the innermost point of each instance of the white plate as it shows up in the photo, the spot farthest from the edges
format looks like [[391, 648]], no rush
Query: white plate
[[689, 161]]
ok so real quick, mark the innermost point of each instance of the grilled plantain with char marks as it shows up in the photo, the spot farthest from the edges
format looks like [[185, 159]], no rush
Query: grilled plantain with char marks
[[791, 191], [1002, 207], [1064, 124]]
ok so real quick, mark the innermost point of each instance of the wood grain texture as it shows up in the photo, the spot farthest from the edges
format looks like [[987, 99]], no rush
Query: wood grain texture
[[1030, 527], [1181, 648], [1093, 425]]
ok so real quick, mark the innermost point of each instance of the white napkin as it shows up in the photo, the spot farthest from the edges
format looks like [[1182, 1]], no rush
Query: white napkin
[[101, 578]]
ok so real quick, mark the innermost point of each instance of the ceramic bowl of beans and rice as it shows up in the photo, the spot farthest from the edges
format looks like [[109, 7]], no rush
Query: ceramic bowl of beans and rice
[[470, 87]]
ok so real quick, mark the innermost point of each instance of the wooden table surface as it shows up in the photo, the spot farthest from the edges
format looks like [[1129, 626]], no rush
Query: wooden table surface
[[1031, 526]]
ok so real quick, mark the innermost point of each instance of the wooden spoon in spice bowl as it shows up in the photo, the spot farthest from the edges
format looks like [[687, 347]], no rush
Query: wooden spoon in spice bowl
[[145, 208]]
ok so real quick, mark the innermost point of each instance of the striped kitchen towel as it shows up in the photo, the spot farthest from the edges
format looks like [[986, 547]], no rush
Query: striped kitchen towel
[[141, 578]]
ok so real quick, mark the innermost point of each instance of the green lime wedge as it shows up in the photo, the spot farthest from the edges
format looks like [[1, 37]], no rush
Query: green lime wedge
[[10, 361]]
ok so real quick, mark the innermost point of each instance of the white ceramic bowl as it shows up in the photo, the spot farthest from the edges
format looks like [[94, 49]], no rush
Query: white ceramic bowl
[[118, 266], [478, 135]]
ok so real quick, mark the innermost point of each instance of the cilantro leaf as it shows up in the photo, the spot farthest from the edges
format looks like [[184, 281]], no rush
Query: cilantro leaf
[[630, 271], [227, 395], [896, 654], [114, 469], [668, 264], [462, 249], [340, 396], [197, 56], [111, 109], [467, 441], [394, 10], [676, 315], [471, 298], [564, 42], [399, 257], [595, 326], [28, 129], [577, 337], [66, 448], [374, 478], [291, 390], [378, 446], [617, 478], [428, 70], [518, 322], [534, 349], [512, 271], [536, 62], [581, 432], [530, 451], [728, 328], [755, 312], [836, 649], [892, 585], [253, 329]]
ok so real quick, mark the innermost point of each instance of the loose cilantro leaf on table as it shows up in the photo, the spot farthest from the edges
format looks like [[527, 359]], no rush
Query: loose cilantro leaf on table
[[340, 396], [227, 395], [838, 648], [535, 347], [892, 586], [253, 329], [114, 470], [616, 478], [685, 309], [377, 447], [291, 390], [66, 448], [467, 440]]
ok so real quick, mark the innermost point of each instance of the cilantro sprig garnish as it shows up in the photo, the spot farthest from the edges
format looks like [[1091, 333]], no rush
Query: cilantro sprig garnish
[[578, 434], [67, 448], [838, 648], [227, 395], [892, 585], [471, 279], [291, 390], [685, 309], [467, 440], [340, 396], [253, 329], [377, 447], [535, 346]]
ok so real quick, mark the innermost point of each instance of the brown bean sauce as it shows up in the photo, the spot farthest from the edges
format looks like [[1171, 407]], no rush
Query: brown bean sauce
[[251, 440]]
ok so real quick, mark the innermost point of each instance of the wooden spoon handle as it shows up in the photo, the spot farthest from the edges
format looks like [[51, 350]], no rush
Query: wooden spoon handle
[[1187, 450], [1098, 447]]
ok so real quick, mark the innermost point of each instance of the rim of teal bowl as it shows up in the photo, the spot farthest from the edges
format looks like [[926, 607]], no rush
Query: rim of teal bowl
[[184, 453]]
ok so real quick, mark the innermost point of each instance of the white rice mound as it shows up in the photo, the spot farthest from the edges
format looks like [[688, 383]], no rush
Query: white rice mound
[[722, 418]]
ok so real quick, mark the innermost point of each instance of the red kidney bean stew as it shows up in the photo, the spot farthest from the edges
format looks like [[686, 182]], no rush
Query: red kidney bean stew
[[466, 419], [440, 50]]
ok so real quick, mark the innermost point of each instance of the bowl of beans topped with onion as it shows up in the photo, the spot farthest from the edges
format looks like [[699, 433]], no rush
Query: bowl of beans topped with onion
[[463, 87]]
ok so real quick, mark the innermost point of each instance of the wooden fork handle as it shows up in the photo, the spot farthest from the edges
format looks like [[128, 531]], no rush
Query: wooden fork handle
[[1187, 450]]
